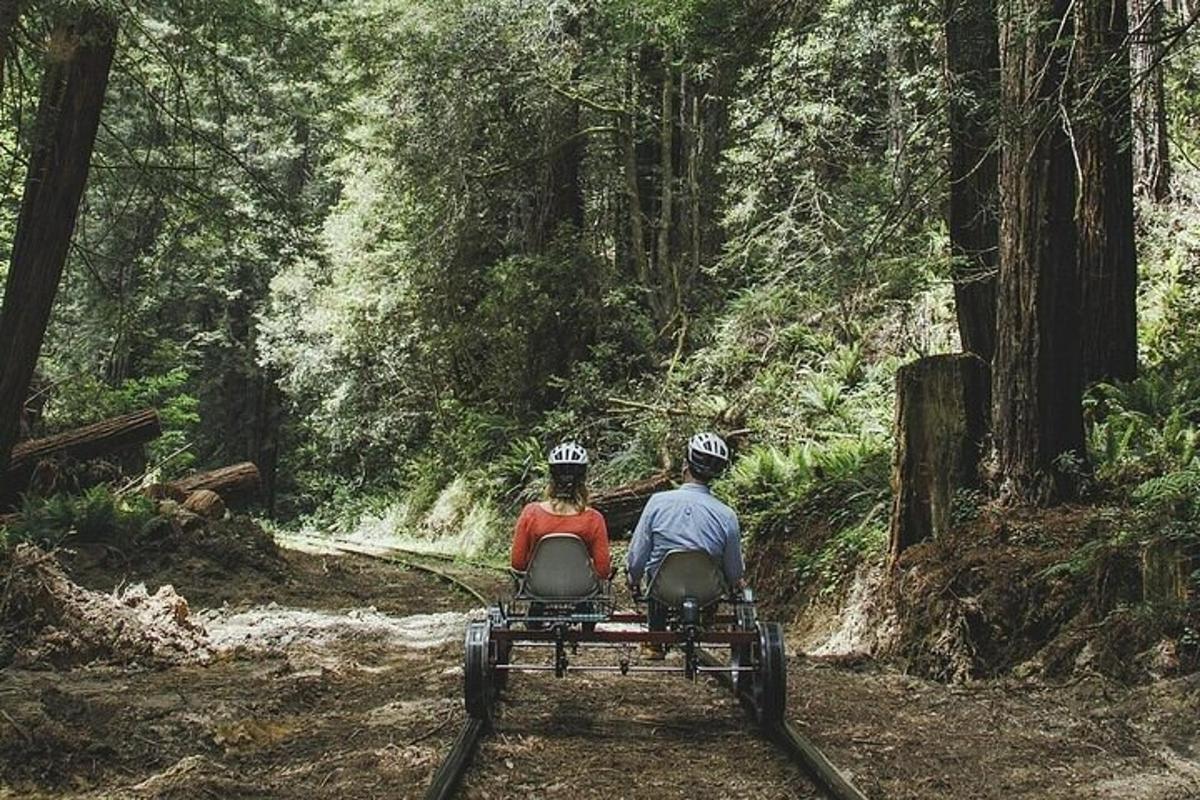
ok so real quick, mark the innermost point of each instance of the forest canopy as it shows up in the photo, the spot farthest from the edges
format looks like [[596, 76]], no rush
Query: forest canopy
[[391, 250]]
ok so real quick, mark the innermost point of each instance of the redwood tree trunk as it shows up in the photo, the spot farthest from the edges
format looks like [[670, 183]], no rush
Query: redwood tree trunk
[[1103, 130], [1152, 165], [973, 75], [10, 12], [79, 57], [1037, 417]]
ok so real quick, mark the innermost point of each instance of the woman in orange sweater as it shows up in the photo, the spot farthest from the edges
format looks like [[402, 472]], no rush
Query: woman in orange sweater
[[564, 510]]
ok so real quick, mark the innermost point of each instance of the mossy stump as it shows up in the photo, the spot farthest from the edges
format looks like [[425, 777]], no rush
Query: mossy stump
[[942, 407]]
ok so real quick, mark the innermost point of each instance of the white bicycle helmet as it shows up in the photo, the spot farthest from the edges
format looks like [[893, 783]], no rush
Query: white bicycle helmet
[[569, 453], [707, 455]]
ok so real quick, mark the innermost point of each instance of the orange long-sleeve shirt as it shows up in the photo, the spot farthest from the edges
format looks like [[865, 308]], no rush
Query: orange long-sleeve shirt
[[536, 522]]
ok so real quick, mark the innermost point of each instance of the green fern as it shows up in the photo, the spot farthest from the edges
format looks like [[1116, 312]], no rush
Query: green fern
[[1170, 489]]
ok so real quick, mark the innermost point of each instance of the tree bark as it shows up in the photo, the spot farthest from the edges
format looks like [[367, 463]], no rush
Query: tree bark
[[1037, 417], [668, 269], [973, 75], [10, 12], [637, 231], [564, 202], [941, 423], [232, 482], [1152, 164], [78, 62], [1107, 252], [90, 441]]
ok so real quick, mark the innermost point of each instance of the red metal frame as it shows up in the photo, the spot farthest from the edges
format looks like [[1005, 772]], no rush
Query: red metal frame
[[632, 637], [634, 617]]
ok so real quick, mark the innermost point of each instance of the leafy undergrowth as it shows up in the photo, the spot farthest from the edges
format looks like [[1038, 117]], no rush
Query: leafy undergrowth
[[1054, 592]]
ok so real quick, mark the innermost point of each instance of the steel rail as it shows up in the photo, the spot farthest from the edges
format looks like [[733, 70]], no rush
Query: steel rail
[[388, 554], [453, 768], [832, 780], [449, 775]]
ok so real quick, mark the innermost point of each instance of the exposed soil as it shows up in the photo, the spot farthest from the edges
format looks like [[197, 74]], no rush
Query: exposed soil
[[637, 737], [343, 680], [905, 738], [207, 561], [352, 701]]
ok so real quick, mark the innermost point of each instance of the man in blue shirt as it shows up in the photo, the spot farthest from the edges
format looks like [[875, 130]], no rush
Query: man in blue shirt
[[687, 518]]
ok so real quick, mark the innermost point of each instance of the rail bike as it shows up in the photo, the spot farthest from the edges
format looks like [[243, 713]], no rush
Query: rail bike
[[560, 604]]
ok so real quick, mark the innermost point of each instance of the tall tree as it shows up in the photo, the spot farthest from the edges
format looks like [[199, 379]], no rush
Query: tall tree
[[1152, 165], [1103, 132], [973, 75], [78, 59], [1037, 417], [10, 12]]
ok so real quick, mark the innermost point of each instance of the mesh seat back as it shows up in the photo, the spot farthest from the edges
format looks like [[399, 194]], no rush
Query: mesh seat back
[[561, 569], [689, 573]]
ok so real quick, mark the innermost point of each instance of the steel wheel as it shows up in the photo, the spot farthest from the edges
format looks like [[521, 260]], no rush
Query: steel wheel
[[478, 672], [770, 679]]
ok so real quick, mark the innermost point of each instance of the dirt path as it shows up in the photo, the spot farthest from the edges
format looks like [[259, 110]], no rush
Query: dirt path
[[908, 739], [344, 682], [318, 695], [628, 738]]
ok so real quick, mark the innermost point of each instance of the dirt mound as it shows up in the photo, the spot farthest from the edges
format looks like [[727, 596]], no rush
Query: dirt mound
[[209, 561], [46, 620], [1036, 592]]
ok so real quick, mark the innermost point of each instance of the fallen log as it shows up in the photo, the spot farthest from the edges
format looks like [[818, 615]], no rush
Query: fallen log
[[81, 444], [90, 441], [622, 505], [235, 482]]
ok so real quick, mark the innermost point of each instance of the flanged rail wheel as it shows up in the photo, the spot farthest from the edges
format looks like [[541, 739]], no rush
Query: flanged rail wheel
[[498, 651], [478, 672], [769, 688]]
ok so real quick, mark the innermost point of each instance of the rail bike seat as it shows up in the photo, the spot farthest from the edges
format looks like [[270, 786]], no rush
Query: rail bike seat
[[686, 574], [560, 571]]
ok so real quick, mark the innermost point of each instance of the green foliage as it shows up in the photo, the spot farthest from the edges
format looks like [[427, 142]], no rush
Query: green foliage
[[827, 567], [83, 399], [96, 516], [1168, 491]]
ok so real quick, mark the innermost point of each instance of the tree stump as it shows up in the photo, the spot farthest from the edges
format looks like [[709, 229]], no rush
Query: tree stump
[[1165, 572], [942, 405]]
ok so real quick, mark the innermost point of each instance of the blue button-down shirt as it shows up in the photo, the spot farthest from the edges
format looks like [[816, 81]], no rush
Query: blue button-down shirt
[[687, 518]]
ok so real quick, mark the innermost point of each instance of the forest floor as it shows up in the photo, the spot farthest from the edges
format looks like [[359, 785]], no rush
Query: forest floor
[[342, 679]]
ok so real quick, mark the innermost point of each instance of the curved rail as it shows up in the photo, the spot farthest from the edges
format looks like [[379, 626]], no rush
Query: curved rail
[[388, 554], [450, 774]]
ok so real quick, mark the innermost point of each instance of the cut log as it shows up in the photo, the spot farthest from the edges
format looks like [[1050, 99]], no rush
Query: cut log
[[235, 482], [206, 503], [90, 441], [622, 505], [942, 404]]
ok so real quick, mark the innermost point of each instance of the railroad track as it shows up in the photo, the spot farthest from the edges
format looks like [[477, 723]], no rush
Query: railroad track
[[391, 555], [448, 778]]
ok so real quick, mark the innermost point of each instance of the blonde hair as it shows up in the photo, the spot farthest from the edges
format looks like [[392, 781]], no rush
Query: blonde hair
[[573, 493]]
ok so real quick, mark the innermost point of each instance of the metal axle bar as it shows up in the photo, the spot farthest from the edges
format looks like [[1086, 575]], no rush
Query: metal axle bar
[[624, 637], [610, 668]]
